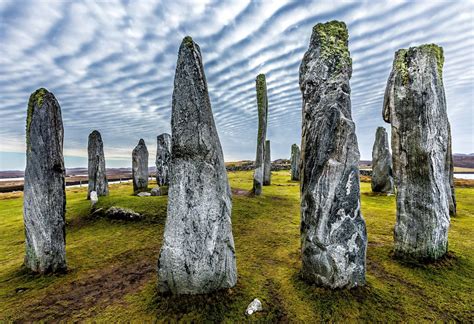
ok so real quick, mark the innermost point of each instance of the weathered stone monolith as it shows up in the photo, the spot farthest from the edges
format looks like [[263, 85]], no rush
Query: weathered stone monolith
[[295, 162], [197, 255], [333, 233], [163, 156], [415, 106], [382, 180], [262, 106], [96, 166], [44, 204], [450, 179], [267, 165], [140, 167]]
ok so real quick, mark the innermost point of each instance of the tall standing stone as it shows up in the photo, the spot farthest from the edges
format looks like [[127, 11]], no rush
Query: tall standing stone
[[295, 162], [197, 255], [44, 204], [267, 165], [96, 166], [140, 167], [450, 176], [415, 106], [163, 157], [333, 233], [262, 106], [382, 180]]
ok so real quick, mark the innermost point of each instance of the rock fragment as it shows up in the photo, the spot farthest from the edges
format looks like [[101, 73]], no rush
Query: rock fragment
[[44, 202], [254, 306], [333, 233], [198, 254]]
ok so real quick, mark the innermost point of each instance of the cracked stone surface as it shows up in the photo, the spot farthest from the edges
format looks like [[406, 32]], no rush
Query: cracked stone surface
[[44, 204], [96, 166], [198, 254], [415, 106], [333, 232], [382, 180], [140, 167]]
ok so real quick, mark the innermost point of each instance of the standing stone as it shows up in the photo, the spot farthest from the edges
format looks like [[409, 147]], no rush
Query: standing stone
[[333, 233], [267, 165], [197, 255], [163, 156], [140, 167], [44, 204], [415, 106], [382, 180], [96, 165], [262, 105], [295, 162], [450, 175]]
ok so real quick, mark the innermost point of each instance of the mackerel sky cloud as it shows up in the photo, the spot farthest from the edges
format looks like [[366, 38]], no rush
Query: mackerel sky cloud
[[111, 66]]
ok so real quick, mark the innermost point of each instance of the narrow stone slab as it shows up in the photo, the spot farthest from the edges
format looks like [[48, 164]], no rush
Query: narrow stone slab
[[295, 162], [262, 106], [96, 166], [44, 202], [163, 157], [140, 167], [267, 165], [382, 180], [333, 233], [415, 106], [198, 254]]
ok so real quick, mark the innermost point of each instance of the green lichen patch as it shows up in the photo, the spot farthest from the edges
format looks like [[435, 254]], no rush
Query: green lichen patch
[[400, 64], [188, 41], [436, 51], [261, 90], [333, 39], [36, 99]]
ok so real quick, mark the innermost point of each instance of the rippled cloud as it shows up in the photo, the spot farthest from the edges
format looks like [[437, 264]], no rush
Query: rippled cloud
[[111, 65]]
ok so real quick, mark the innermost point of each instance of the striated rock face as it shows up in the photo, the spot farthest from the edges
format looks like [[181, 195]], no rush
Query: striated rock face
[[450, 175], [295, 162], [197, 255], [415, 106], [96, 166], [140, 167], [44, 204], [262, 105], [382, 180], [163, 157], [267, 165], [333, 233]]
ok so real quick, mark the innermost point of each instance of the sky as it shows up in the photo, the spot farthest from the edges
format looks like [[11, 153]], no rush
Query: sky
[[111, 66]]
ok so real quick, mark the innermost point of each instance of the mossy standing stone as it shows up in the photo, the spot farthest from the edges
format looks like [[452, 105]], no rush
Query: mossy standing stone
[[262, 106], [333, 232], [295, 162], [198, 254], [44, 201], [140, 167], [96, 166], [382, 180], [415, 106], [163, 157]]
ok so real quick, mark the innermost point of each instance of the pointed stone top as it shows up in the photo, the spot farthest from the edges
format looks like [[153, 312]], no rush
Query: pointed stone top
[[188, 42], [141, 142], [37, 99], [164, 135], [403, 56], [95, 133]]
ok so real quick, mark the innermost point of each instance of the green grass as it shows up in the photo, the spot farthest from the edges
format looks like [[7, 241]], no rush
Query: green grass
[[112, 273]]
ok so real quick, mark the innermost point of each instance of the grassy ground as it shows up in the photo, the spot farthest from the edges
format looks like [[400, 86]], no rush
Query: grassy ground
[[112, 265]]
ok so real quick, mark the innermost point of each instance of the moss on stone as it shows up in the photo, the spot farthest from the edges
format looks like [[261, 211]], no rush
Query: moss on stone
[[188, 41], [36, 99], [261, 85], [401, 59], [333, 40]]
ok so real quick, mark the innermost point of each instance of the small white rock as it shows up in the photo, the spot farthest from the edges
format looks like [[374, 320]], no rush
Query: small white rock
[[254, 306], [156, 191], [144, 194], [94, 198]]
